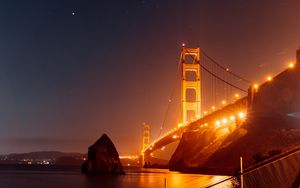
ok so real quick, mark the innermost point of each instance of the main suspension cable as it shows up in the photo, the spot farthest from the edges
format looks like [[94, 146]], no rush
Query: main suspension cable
[[225, 69], [219, 78]]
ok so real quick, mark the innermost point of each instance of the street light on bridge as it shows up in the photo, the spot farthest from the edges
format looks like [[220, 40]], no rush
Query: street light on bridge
[[232, 118], [291, 65], [224, 120], [180, 125], [217, 123], [241, 115]]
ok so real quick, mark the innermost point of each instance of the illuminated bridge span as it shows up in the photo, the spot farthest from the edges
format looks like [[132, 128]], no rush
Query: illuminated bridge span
[[212, 97], [229, 117]]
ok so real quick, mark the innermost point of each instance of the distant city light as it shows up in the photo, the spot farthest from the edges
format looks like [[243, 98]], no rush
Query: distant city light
[[255, 86], [223, 102], [205, 112], [213, 107], [217, 123], [174, 136], [128, 157], [236, 95]]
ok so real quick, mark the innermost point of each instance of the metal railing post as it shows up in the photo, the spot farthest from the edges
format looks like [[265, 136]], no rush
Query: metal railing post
[[242, 178]]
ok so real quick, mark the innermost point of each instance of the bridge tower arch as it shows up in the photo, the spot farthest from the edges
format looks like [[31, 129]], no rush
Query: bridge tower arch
[[190, 62]]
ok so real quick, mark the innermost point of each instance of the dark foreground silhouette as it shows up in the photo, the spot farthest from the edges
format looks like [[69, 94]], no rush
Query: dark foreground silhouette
[[103, 158]]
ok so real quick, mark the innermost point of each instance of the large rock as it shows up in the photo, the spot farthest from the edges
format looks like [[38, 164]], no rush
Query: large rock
[[103, 158]]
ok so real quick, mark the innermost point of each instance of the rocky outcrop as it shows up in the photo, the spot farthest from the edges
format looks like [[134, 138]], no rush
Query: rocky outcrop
[[103, 158]]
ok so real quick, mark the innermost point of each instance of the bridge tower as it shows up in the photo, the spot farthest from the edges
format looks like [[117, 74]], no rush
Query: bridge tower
[[190, 85], [146, 135], [146, 143]]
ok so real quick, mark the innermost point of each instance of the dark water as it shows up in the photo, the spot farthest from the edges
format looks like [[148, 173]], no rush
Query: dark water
[[135, 178]]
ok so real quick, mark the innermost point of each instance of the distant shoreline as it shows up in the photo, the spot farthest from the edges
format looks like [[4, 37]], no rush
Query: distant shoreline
[[57, 168], [39, 167]]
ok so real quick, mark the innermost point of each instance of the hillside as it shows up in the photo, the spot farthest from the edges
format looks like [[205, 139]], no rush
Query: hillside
[[43, 157]]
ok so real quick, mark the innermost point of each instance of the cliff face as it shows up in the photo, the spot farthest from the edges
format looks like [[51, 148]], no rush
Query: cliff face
[[103, 158], [273, 124]]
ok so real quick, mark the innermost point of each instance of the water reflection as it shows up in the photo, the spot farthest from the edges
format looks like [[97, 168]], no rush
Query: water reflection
[[135, 178], [148, 178]]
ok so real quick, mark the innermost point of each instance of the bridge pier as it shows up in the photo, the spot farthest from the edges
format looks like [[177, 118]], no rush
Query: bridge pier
[[144, 160]]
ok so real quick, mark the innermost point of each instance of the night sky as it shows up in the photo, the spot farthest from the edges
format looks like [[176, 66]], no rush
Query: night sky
[[72, 70]]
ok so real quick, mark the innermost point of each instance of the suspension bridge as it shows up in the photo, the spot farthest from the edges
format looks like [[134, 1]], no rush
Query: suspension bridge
[[212, 97]]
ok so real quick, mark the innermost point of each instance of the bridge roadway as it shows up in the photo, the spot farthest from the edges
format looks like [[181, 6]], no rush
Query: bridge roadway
[[227, 116]]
